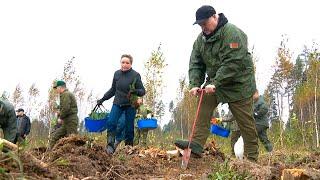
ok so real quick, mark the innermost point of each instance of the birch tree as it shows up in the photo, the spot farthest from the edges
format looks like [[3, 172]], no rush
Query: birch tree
[[17, 97], [33, 104], [154, 69]]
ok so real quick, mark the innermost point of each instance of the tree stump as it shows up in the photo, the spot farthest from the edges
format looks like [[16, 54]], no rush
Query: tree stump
[[300, 174]]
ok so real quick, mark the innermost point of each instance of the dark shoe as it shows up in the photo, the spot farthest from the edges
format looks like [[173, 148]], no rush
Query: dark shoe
[[269, 147], [128, 143], [196, 149]]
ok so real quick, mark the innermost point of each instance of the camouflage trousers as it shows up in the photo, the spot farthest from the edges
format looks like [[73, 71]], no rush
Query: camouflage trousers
[[141, 137], [262, 134], [242, 111], [65, 130]]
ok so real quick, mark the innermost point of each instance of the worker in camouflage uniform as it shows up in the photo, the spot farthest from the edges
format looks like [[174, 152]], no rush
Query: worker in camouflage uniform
[[262, 123], [68, 113], [8, 120], [141, 135], [220, 52]]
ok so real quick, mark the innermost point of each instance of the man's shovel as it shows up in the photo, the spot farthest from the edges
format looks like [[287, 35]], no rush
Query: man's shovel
[[187, 152]]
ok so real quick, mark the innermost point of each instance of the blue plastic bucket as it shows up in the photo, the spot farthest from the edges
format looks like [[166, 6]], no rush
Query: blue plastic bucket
[[149, 123], [220, 131], [93, 125]]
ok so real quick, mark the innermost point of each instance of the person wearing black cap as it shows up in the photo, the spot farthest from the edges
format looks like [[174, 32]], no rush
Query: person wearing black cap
[[8, 120], [68, 111], [24, 125], [220, 53]]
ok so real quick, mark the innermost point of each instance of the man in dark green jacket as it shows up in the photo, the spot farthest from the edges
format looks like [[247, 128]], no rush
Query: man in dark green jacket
[[220, 52], [8, 120], [68, 113]]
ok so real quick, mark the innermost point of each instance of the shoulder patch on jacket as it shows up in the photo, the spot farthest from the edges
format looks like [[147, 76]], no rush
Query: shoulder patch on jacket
[[234, 45]]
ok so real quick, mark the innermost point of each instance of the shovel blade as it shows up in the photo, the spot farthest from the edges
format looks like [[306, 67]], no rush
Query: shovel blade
[[185, 158]]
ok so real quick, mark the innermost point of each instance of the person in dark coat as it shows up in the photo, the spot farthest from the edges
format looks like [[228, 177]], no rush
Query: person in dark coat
[[24, 125], [126, 87]]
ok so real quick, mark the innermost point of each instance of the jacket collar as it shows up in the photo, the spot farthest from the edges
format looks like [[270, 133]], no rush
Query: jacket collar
[[216, 33], [126, 71]]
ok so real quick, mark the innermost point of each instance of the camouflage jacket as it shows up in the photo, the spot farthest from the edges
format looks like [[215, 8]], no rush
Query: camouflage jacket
[[261, 112], [225, 59], [68, 107], [142, 112], [7, 114]]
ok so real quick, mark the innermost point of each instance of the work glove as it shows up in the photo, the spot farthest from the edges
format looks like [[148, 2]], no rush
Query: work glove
[[60, 121], [210, 88], [194, 91], [99, 102]]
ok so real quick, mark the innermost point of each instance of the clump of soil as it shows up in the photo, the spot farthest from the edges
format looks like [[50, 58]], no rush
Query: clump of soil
[[78, 157]]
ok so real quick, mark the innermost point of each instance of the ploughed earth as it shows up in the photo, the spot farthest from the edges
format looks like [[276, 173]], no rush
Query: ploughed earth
[[77, 157]]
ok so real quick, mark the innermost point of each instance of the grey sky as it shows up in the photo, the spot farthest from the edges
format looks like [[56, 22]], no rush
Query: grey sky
[[37, 36]]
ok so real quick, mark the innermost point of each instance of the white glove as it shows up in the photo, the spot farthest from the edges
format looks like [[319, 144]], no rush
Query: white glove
[[60, 121], [210, 88], [194, 91]]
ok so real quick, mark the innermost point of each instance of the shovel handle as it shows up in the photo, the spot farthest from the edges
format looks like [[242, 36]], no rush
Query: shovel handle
[[197, 115]]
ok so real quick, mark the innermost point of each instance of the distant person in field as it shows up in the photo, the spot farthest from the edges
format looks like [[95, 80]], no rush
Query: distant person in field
[[262, 123], [67, 113], [126, 87], [221, 61], [8, 120], [143, 113], [24, 125], [260, 114]]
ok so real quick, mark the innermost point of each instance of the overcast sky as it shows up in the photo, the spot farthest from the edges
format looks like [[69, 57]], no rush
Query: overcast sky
[[37, 36]]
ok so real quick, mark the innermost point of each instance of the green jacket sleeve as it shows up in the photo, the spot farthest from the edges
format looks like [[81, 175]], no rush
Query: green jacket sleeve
[[65, 105], [260, 111], [197, 67], [232, 54]]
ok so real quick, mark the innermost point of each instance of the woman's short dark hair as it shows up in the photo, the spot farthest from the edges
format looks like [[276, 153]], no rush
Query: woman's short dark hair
[[127, 56]]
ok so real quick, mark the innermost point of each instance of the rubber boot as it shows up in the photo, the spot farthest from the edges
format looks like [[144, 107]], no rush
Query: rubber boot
[[110, 143], [196, 149], [116, 143]]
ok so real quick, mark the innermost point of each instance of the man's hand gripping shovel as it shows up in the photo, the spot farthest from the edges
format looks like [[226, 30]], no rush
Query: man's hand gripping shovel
[[187, 152]]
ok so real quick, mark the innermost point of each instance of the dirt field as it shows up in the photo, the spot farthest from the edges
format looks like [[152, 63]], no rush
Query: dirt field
[[78, 157]]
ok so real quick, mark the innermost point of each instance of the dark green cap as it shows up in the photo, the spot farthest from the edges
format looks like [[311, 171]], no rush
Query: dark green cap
[[58, 83]]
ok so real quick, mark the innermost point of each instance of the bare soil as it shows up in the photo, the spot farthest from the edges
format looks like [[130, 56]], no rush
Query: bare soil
[[77, 157]]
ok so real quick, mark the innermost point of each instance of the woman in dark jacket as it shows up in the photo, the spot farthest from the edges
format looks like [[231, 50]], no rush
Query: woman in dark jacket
[[126, 84]]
